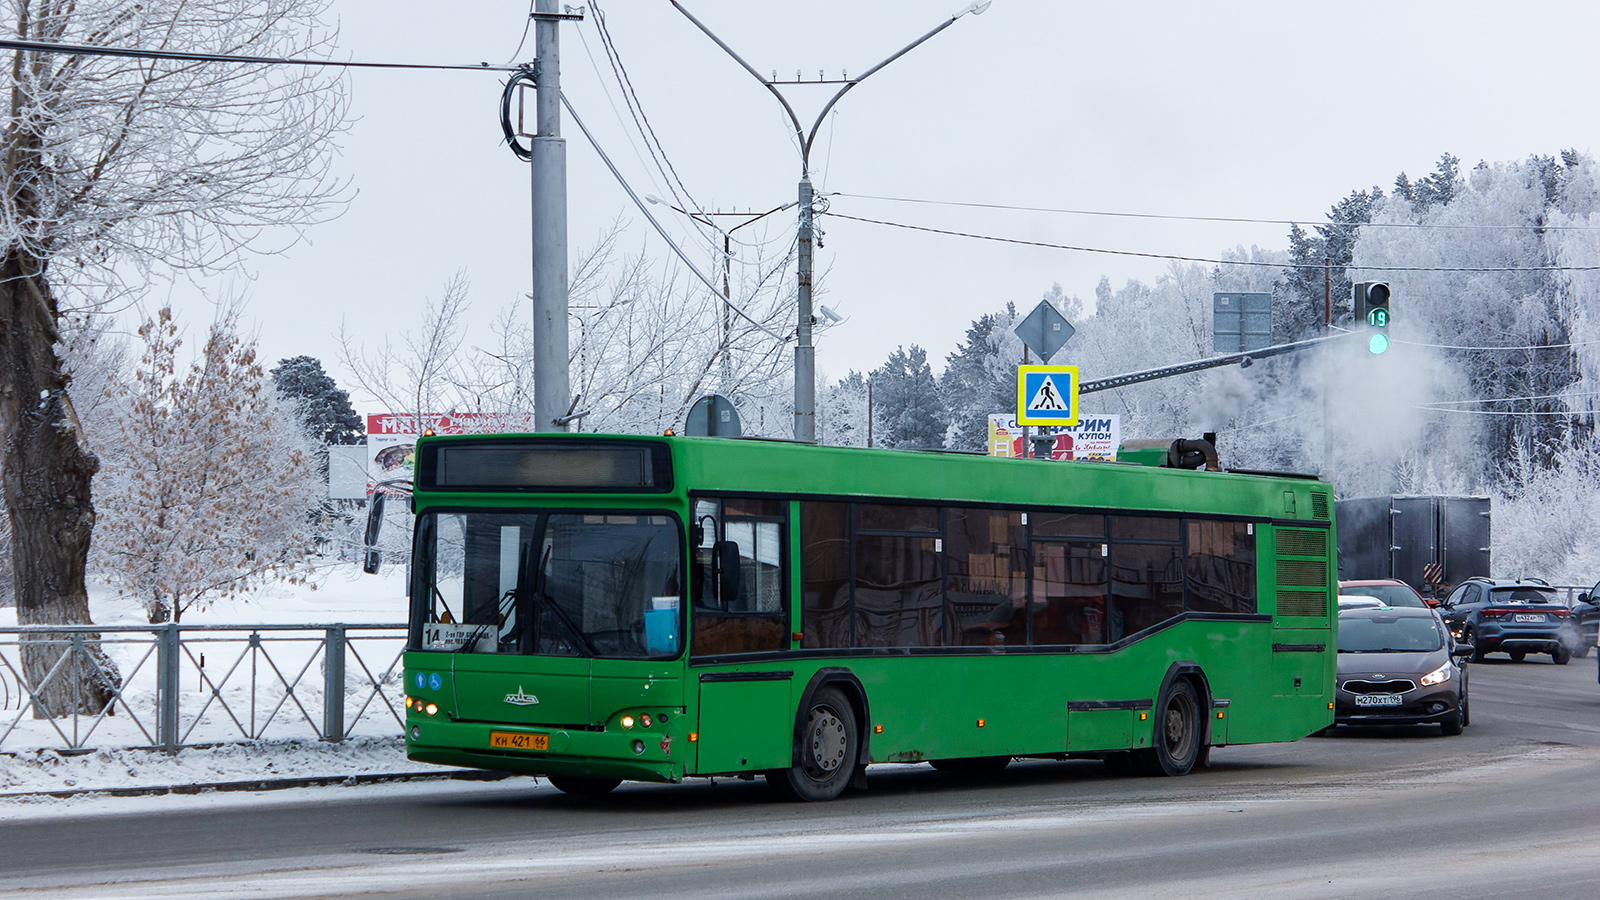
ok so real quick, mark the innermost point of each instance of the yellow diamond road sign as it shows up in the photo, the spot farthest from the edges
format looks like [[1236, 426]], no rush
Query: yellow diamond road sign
[[1047, 395]]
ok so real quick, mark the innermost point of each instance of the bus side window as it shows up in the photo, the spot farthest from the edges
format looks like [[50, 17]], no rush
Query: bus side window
[[1221, 567], [740, 576]]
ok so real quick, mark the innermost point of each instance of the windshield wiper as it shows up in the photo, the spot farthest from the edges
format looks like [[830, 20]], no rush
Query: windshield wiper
[[540, 599]]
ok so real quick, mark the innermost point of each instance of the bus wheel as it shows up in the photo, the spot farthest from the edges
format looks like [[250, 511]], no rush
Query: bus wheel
[[827, 751], [972, 765], [1177, 733], [581, 786]]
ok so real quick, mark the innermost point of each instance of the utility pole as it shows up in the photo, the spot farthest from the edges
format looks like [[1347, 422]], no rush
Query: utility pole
[[1327, 383], [552, 391], [805, 379], [805, 375]]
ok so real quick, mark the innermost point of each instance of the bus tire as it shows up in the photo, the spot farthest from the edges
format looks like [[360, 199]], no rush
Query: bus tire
[[583, 786], [972, 765], [826, 752], [1177, 733]]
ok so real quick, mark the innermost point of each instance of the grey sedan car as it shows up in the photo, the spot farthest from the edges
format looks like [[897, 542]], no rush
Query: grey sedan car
[[1399, 666]]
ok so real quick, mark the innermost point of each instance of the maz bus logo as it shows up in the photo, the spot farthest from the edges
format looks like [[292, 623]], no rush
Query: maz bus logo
[[521, 699]]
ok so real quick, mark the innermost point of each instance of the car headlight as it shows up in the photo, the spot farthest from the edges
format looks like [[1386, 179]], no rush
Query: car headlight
[[1437, 676]]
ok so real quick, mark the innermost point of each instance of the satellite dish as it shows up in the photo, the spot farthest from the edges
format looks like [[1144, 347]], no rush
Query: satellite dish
[[713, 416]]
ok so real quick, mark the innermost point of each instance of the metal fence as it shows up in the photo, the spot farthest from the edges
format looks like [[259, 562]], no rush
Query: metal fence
[[322, 682]]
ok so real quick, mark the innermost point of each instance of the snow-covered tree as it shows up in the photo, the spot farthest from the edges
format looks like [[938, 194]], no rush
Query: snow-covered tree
[[212, 480], [113, 171], [906, 400], [842, 411], [323, 407], [646, 342]]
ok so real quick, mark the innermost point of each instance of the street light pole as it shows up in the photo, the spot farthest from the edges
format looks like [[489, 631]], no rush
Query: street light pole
[[805, 380], [704, 218]]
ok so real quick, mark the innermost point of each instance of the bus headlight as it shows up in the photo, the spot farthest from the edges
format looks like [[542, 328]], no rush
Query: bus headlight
[[1437, 676]]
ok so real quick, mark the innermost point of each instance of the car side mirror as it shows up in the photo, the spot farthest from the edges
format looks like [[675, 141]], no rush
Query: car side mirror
[[1583, 597], [371, 559], [726, 554], [1463, 650]]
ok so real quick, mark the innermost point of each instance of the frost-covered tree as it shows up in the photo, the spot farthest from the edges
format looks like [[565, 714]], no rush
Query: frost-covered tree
[[1513, 328], [212, 478], [646, 342], [842, 411], [113, 171], [322, 406], [906, 401]]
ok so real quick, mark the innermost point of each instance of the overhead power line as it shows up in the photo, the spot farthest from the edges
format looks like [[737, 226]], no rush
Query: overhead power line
[[1229, 219], [1207, 259], [1492, 349], [182, 56]]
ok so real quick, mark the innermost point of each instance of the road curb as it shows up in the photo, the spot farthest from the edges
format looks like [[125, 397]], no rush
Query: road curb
[[260, 784]]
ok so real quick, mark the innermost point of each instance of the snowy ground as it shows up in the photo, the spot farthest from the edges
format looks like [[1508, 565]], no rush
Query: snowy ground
[[230, 694]]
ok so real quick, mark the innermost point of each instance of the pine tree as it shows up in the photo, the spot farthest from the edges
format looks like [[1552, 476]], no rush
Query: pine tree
[[969, 386], [907, 401], [323, 407]]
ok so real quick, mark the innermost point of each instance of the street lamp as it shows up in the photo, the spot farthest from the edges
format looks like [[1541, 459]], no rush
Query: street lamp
[[727, 257], [805, 384]]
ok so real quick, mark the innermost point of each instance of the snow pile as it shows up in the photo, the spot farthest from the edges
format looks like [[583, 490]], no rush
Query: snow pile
[[45, 771]]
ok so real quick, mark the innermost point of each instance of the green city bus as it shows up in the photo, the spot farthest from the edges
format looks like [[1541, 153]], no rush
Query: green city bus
[[596, 608]]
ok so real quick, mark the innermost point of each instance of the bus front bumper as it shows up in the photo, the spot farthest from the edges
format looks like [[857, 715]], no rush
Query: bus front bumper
[[642, 755]]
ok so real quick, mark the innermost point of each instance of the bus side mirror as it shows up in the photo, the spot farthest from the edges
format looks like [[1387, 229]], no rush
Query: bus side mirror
[[726, 554], [371, 559]]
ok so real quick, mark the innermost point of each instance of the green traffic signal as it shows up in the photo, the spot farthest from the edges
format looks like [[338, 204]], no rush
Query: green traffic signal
[[1370, 303]]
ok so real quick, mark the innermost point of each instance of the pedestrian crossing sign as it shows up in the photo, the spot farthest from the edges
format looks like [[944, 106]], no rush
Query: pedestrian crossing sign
[[1047, 395]]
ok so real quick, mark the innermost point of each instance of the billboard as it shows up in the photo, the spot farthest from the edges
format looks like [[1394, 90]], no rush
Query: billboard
[[392, 438], [1094, 437]]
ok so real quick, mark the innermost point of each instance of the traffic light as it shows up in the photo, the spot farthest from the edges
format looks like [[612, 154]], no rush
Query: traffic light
[[1370, 303]]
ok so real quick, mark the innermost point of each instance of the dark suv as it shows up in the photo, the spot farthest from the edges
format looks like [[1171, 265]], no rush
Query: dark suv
[[1512, 617], [1586, 615]]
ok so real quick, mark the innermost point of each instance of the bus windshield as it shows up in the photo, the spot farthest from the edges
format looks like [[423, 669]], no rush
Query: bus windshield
[[546, 583]]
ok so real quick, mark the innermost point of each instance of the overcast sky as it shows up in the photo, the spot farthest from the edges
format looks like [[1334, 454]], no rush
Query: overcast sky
[[1245, 109]]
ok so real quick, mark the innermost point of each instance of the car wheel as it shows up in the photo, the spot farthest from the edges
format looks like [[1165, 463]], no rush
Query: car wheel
[[1518, 656], [1454, 725], [1470, 636], [1466, 704], [826, 753], [580, 786], [1560, 655]]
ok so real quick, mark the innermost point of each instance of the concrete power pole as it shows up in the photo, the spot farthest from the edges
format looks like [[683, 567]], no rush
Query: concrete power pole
[[805, 377], [552, 391]]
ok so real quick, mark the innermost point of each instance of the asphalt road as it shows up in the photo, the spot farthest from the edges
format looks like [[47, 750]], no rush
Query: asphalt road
[[1510, 809]]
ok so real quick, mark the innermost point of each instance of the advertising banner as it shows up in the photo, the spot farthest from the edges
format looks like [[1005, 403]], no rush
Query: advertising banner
[[392, 439], [1094, 437]]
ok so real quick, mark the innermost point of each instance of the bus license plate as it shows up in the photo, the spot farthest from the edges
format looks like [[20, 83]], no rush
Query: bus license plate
[[1530, 617], [1377, 699], [508, 740]]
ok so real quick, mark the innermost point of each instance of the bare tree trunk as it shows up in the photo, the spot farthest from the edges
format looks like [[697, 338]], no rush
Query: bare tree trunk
[[45, 470]]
